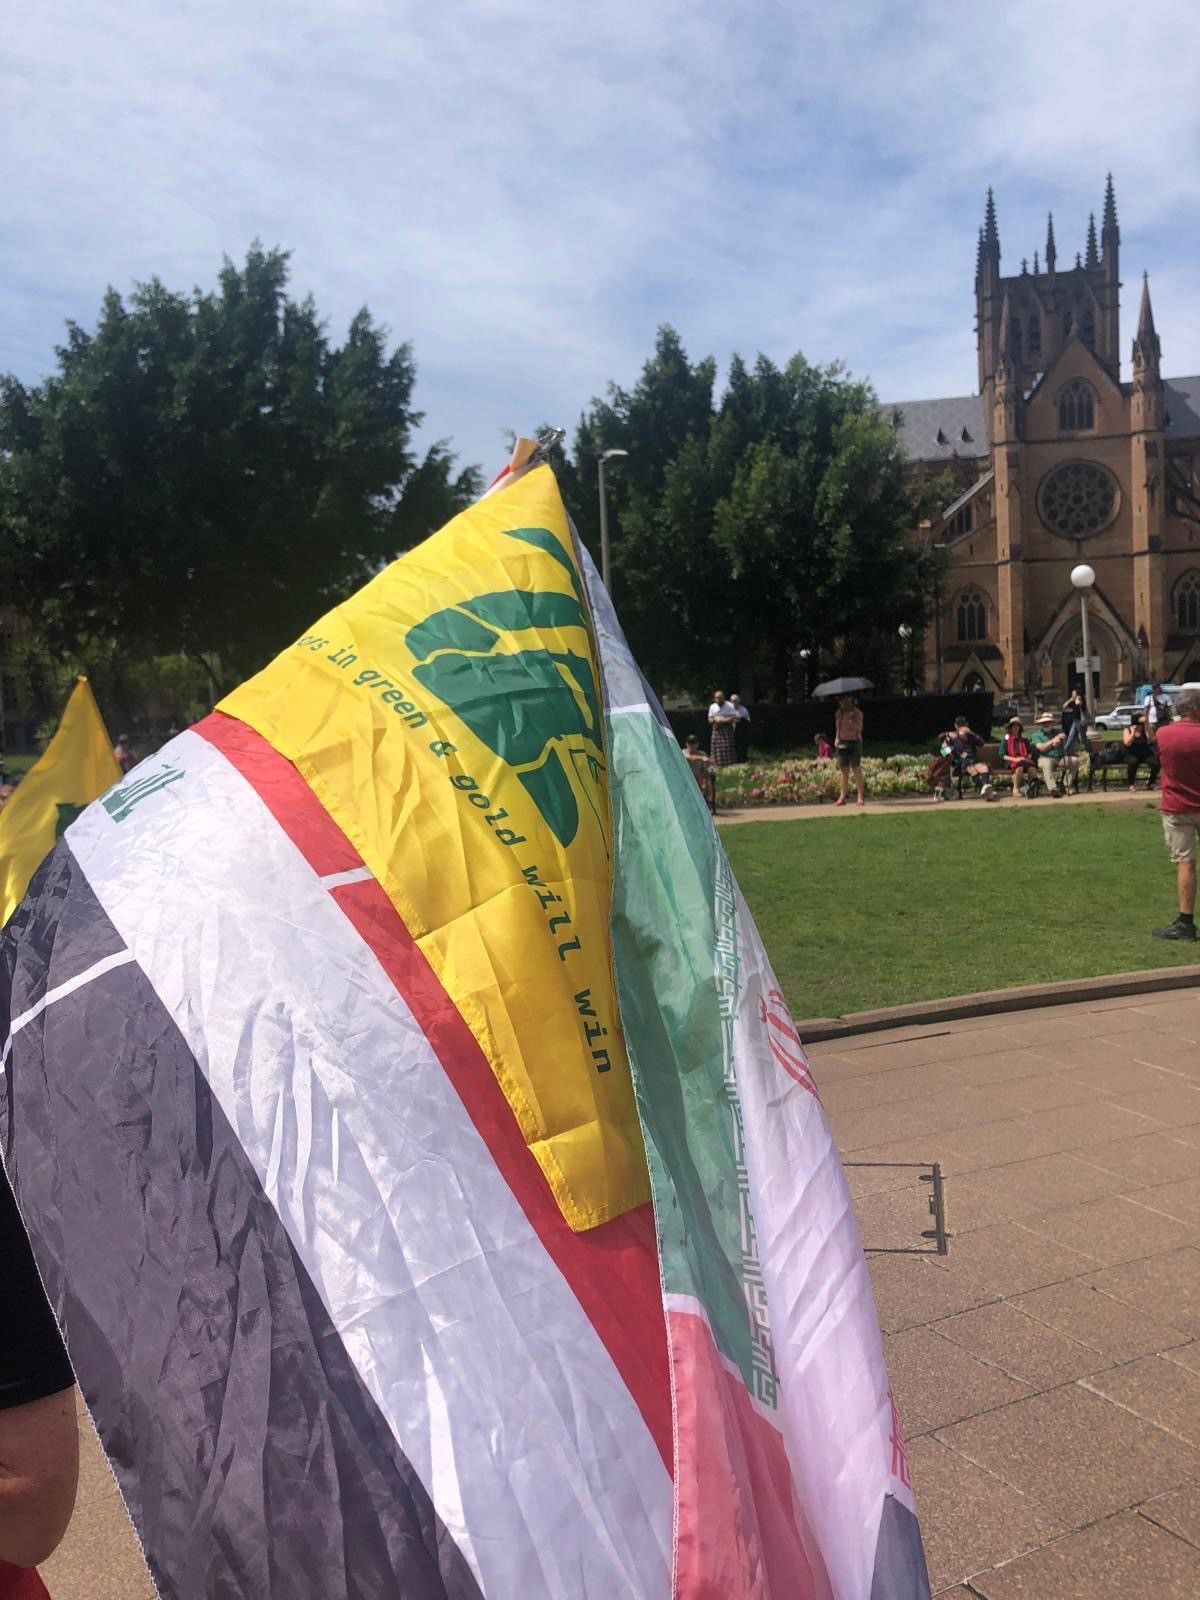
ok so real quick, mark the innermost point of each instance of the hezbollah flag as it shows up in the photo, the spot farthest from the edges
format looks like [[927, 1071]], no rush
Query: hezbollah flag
[[416, 1147], [78, 765]]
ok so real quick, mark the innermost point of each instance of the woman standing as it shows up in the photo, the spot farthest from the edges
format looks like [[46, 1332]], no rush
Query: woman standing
[[722, 719], [848, 741]]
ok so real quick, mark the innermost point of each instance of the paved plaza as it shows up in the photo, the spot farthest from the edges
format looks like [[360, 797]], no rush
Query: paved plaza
[[1048, 1370]]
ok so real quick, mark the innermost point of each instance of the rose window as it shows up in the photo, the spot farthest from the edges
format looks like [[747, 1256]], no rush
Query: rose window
[[1078, 499]]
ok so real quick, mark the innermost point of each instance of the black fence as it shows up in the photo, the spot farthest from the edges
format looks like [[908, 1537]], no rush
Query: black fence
[[889, 719]]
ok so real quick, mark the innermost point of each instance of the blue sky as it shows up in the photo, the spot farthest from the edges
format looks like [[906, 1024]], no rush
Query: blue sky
[[526, 192]]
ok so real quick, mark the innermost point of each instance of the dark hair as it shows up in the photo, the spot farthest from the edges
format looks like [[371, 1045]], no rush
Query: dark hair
[[962, 722]]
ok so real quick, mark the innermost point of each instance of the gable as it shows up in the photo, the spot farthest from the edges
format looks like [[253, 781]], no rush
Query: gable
[[1075, 362]]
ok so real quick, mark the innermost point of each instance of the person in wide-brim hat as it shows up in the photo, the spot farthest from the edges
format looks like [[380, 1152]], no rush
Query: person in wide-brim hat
[[1017, 755], [1054, 761]]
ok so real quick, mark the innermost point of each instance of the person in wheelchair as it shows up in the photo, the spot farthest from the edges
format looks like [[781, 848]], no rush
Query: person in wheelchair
[[1017, 755], [1058, 764], [960, 762]]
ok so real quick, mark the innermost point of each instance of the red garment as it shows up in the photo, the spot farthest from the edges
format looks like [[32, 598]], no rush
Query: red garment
[[1179, 751], [21, 1583], [1016, 751]]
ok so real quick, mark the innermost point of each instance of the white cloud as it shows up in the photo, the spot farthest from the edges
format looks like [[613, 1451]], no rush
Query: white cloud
[[525, 193]]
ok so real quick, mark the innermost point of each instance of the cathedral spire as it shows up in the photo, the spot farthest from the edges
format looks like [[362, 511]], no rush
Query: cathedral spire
[[1093, 257], [1146, 348], [1111, 231], [1051, 251], [990, 239]]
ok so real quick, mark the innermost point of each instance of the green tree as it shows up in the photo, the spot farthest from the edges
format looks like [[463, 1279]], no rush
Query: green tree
[[775, 520], [204, 473]]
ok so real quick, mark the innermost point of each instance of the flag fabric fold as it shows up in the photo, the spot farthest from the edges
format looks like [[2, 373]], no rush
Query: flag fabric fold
[[348, 1042]]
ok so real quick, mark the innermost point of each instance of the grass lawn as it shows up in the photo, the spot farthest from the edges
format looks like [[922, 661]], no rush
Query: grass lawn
[[864, 911]]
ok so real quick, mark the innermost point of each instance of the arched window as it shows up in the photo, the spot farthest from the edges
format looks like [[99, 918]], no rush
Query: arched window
[[1089, 328], [1068, 325], [1187, 603], [971, 615], [973, 683], [1076, 407], [1035, 336]]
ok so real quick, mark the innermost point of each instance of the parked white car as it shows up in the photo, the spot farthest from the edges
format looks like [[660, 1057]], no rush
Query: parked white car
[[1119, 717]]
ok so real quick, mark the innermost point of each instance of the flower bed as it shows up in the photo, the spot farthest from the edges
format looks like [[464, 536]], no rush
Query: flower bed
[[804, 781]]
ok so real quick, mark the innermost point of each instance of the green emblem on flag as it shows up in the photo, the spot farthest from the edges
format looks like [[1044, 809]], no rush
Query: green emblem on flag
[[120, 802], [519, 704]]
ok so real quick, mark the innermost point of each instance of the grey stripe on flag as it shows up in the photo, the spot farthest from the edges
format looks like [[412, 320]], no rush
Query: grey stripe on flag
[[252, 1458], [900, 1571]]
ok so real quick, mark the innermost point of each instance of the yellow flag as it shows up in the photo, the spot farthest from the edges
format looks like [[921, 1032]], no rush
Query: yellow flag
[[448, 717], [77, 767]]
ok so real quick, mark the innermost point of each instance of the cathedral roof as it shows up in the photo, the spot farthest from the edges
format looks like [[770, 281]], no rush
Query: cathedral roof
[[939, 430], [933, 430]]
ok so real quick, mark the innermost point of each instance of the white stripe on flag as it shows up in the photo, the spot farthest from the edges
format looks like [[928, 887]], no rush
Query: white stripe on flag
[[520, 1426], [96, 970]]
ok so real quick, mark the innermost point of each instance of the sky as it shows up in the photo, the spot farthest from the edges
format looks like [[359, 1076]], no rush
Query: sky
[[526, 192]]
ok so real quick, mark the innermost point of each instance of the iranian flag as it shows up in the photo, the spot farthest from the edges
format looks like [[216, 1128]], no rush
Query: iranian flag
[[415, 1144]]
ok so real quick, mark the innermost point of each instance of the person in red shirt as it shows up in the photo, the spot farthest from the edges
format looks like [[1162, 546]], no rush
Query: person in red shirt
[[1178, 746]]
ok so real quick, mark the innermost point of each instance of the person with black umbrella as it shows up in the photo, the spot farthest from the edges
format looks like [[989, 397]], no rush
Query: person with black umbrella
[[848, 743]]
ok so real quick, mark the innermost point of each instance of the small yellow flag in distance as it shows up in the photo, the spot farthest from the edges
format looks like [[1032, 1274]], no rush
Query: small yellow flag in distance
[[77, 767]]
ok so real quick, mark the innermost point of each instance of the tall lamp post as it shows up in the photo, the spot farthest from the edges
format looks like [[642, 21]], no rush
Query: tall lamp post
[[1083, 578], [608, 455], [905, 633]]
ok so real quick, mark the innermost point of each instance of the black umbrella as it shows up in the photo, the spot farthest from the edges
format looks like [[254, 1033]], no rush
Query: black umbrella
[[837, 686]]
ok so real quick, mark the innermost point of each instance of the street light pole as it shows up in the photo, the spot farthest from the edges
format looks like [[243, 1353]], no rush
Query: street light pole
[[905, 633], [608, 455], [1083, 578]]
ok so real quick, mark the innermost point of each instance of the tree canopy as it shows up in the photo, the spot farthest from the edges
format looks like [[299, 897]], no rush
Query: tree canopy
[[205, 473], [745, 528]]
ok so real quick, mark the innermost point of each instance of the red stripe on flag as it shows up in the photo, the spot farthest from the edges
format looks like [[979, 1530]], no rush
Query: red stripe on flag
[[736, 1531], [613, 1269]]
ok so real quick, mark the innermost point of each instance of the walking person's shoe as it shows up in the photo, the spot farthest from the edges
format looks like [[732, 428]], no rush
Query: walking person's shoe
[[1179, 929]]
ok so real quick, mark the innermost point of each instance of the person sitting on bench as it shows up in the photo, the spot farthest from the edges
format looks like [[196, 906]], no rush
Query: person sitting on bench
[[1137, 749], [1052, 758], [962, 745], [1017, 755]]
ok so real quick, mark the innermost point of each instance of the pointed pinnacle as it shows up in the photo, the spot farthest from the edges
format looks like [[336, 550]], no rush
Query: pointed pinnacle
[[1093, 259], [1145, 329], [991, 234], [1036, 266], [1110, 208], [1051, 248]]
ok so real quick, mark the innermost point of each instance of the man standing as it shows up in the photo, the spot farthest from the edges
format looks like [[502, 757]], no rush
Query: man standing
[[741, 730], [1157, 708], [1074, 721], [1179, 752]]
